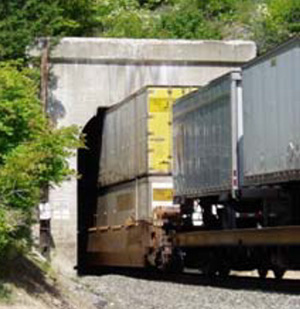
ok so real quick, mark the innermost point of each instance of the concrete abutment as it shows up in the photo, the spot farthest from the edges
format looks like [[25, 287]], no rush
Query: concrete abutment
[[88, 73]]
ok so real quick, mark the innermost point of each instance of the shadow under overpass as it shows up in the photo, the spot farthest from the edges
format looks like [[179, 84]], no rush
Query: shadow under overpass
[[88, 170]]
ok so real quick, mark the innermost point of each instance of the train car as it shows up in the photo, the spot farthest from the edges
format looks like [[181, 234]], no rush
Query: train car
[[137, 135], [206, 135], [271, 110], [236, 159], [135, 183], [230, 201]]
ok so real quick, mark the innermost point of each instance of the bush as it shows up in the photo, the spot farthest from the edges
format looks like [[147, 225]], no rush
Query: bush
[[33, 154]]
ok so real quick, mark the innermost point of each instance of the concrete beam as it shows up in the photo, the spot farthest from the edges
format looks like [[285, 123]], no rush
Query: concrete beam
[[78, 50]]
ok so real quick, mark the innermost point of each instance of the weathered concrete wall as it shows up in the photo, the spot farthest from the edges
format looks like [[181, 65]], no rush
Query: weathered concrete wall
[[91, 72]]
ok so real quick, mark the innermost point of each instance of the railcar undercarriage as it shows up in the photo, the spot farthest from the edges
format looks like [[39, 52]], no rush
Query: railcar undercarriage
[[215, 246]]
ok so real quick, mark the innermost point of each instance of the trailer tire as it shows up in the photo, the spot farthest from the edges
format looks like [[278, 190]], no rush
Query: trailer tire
[[262, 272], [279, 272]]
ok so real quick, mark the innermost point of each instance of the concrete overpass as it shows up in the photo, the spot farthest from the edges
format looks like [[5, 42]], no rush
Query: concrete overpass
[[87, 73]]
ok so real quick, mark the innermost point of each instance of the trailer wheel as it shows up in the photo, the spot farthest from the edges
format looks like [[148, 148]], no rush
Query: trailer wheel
[[262, 272], [279, 272]]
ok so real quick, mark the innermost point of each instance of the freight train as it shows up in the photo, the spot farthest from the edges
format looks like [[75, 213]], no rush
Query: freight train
[[223, 193]]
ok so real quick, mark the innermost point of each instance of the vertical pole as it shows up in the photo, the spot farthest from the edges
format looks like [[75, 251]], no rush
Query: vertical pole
[[45, 74], [45, 226]]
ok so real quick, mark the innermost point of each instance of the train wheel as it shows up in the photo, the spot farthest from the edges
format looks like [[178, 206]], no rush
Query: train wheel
[[172, 263], [262, 272], [177, 261], [279, 272], [160, 262]]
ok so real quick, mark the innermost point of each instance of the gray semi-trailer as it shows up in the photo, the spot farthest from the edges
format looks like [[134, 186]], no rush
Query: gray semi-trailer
[[206, 133], [271, 105], [237, 144]]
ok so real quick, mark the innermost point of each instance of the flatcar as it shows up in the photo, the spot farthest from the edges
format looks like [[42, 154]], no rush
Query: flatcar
[[135, 181]]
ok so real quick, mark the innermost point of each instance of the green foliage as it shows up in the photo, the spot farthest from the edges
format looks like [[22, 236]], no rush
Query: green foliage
[[282, 19], [267, 22], [5, 293], [186, 20], [270, 22], [32, 153], [135, 19], [11, 225], [121, 18], [21, 21], [20, 109]]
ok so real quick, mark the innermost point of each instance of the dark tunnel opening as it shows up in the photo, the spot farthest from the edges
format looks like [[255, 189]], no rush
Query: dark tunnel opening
[[88, 169]]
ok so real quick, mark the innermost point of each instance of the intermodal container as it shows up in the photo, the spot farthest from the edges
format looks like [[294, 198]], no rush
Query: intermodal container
[[136, 139], [135, 200]]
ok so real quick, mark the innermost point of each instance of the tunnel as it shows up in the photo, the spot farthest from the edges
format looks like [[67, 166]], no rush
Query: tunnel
[[88, 169]]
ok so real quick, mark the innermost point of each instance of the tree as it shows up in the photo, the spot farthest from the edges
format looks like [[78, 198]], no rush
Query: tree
[[32, 153], [267, 22], [270, 22], [21, 21]]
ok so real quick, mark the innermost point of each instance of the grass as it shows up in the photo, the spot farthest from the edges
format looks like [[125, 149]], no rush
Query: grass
[[5, 293], [29, 273]]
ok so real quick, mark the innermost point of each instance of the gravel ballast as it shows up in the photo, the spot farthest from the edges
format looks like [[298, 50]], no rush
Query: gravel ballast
[[120, 292]]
